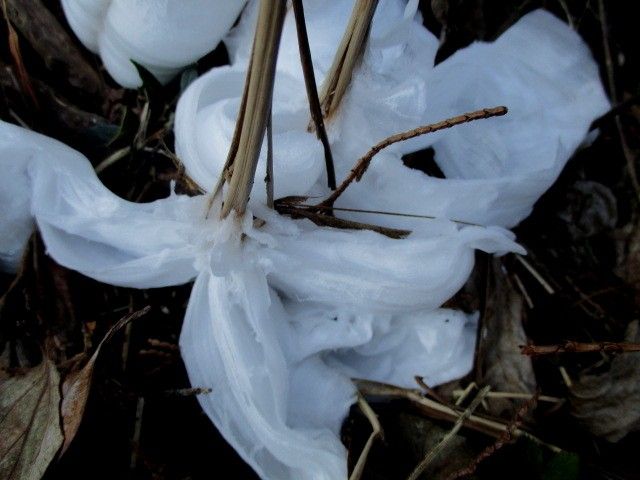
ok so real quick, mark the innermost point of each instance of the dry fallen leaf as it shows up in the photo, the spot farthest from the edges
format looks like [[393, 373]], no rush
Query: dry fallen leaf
[[29, 422], [16, 55], [590, 208], [608, 404], [54, 45], [500, 363], [77, 383], [627, 242]]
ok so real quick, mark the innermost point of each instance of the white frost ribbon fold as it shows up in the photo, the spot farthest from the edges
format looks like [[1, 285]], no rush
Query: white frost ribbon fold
[[281, 316], [495, 169], [161, 35]]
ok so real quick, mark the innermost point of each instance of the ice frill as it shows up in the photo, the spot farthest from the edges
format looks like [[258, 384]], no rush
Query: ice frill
[[280, 317], [495, 170], [161, 35]]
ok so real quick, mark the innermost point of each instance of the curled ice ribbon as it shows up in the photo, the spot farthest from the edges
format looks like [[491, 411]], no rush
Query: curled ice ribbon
[[495, 169], [278, 314], [163, 36]]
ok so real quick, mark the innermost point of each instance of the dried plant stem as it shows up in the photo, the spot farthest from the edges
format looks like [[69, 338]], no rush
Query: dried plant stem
[[312, 91], [349, 53], [514, 395], [503, 440], [446, 440], [363, 163], [240, 167], [385, 212], [137, 430], [577, 347], [534, 273], [269, 177], [330, 221], [438, 411], [376, 432]]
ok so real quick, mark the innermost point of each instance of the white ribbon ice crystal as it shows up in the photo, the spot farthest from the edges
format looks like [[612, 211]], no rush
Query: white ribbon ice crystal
[[282, 316], [161, 35], [496, 169], [278, 321]]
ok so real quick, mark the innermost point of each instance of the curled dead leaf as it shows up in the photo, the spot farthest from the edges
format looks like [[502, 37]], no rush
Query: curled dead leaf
[[608, 404], [499, 361], [54, 45], [29, 422], [77, 384], [16, 55]]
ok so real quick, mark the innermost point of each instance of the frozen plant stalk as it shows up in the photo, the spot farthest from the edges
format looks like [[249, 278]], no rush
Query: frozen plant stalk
[[349, 53], [256, 107]]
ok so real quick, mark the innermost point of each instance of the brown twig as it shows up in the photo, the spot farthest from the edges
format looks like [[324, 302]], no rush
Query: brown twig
[[438, 411], [446, 440], [376, 432], [578, 347], [188, 392], [137, 430], [534, 273], [430, 391], [269, 177], [503, 440], [330, 221], [363, 163], [382, 212], [312, 91]]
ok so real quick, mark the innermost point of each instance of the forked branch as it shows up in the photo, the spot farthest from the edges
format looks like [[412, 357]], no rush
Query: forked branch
[[363, 163]]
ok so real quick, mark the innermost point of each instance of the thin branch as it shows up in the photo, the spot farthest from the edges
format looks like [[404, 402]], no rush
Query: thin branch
[[384, 212], [504, 439], [438, 411], [548, 288], [269, 177], [312, 91], [446, 440], [514, 395], [376, 432], [430, 391], [330, 221], [578, 347], [363, 163], [137, 430]]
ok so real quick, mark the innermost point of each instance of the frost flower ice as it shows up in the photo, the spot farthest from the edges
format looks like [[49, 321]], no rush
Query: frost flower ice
[[280, 317], [495, 170], [283, 313], [163, 36]]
